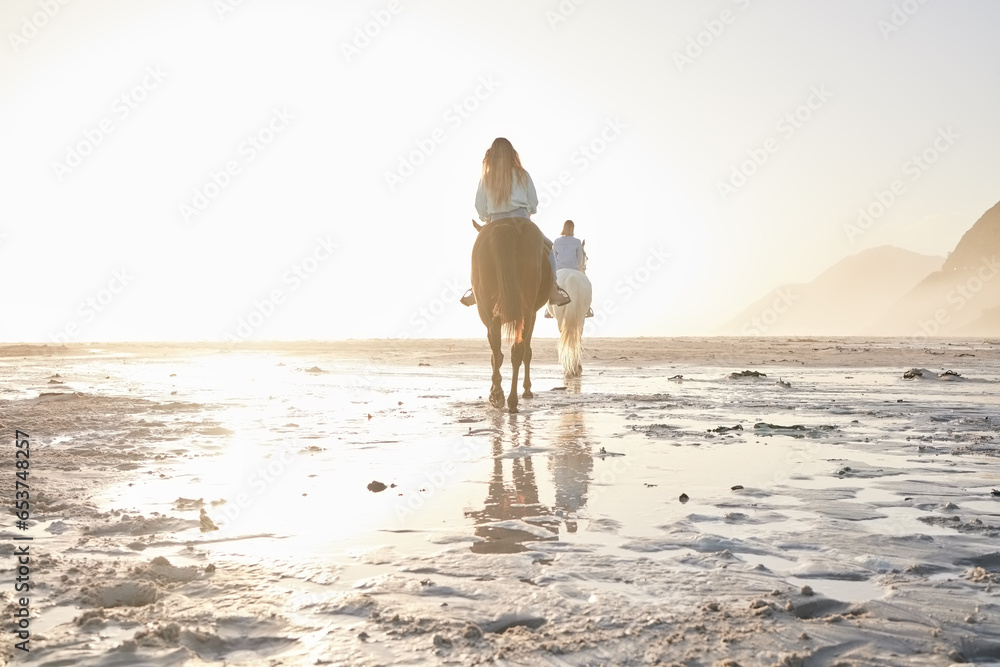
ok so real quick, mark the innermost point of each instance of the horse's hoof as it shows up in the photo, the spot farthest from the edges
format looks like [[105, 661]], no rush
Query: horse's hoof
[[527, 394], [512, 409]]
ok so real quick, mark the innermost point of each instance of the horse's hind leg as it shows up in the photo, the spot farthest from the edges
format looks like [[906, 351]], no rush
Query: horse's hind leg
[[496, 391], [516, 357], [529, 326]]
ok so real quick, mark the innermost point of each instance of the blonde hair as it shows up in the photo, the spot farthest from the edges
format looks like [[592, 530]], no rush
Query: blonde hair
[[500, 165], [568, 227]]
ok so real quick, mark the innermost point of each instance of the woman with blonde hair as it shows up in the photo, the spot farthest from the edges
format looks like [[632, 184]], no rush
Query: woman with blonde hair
[[567, 249], [507, 191], [568, 253]]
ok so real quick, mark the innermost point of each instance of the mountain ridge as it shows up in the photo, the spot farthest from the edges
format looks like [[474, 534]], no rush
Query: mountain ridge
[[845, 299]]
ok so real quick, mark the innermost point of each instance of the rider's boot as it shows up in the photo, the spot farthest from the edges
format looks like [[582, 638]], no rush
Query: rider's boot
[[558, 296]]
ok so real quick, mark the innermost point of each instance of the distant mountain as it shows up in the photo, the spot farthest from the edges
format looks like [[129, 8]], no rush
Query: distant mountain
[[963, 298], [982, 239], [847, 299], [892, 292], [987, 324]]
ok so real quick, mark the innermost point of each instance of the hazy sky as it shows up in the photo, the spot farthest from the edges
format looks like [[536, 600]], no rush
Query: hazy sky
[[171, 168]]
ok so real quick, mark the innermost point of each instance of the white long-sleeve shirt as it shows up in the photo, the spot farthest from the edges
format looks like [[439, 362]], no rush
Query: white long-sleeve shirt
[[522, 195]]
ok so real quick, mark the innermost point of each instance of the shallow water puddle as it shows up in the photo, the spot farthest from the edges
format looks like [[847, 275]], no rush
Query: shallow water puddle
[[843, 590], [542, 462]]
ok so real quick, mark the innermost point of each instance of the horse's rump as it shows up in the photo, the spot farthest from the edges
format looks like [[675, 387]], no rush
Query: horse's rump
[[509, 305], [507, 272]]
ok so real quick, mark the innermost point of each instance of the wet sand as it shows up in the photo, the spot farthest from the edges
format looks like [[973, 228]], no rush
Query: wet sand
[[199, 504]]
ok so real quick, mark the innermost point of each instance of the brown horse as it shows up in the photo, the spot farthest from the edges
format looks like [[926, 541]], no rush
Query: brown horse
[[511, 279]]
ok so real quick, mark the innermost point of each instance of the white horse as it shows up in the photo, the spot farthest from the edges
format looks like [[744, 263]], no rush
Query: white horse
[[571, 316]]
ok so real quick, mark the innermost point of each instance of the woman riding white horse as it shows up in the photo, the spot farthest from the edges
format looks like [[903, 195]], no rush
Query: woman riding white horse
[[571, 258], [568, 253]]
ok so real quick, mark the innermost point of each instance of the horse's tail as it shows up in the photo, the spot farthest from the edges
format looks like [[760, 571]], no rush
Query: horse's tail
[[510, 305], [571, 319]]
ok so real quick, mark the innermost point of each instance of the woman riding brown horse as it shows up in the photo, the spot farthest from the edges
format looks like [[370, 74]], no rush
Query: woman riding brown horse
[[511, 279], [507, 191]]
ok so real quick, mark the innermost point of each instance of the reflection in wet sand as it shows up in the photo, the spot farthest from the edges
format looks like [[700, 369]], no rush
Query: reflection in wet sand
[[571, 466], [504, 502]]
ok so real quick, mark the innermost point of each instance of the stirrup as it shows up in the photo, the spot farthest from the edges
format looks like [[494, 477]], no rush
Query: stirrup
[[563, 297], [469, 299], [548, 315], [590, 312]]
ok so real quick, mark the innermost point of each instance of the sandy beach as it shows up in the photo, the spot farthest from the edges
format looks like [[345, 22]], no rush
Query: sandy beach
[[688, 501]]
